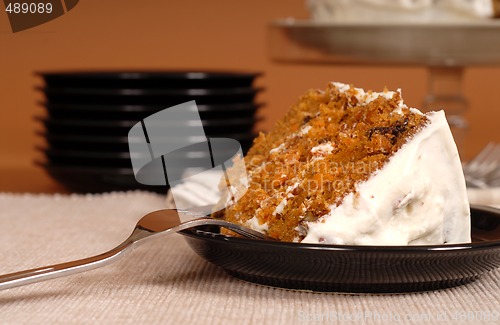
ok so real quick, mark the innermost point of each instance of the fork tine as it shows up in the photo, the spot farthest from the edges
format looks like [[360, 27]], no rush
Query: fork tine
[[494, 161], [478, 158], [245, 233], [493, 177], [483, 170], [482, 156]]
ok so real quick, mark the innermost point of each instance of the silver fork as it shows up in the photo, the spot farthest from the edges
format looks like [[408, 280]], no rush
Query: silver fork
[[484, 170], [161, 222]]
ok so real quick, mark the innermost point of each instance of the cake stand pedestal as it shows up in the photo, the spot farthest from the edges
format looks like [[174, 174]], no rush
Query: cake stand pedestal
[[446, 49]]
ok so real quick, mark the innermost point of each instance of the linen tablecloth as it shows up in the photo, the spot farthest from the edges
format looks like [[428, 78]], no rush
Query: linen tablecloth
[[164, 282]]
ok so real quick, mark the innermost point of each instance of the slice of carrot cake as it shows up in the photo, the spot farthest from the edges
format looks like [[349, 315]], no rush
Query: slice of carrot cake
[[350, 167]]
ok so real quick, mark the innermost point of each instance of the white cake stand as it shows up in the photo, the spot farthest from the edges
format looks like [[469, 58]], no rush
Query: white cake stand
[[444, 48]]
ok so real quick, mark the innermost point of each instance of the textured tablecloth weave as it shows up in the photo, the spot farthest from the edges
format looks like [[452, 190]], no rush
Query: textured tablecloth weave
[[164, 282]]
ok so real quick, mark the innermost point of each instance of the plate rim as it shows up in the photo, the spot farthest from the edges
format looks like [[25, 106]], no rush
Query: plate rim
[[131, 92], [128, 123], [198, 74], [123, 139], [204, 108]]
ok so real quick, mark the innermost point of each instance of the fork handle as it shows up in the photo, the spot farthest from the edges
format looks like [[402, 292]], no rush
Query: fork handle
[[21, 278], [163, 222]]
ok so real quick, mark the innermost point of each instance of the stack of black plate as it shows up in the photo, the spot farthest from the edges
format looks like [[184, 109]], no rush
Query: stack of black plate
[[88, 116]]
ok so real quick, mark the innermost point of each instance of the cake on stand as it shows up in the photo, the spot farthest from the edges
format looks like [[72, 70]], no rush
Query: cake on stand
[[445, 49]]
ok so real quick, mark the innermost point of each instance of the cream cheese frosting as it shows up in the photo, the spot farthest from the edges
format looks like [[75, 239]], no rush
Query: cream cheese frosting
[[417, 198]]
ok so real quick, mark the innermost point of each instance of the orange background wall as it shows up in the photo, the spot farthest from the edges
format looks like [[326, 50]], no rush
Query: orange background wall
[[194, 34]]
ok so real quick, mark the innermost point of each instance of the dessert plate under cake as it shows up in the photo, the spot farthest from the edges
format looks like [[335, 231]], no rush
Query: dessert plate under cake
[[361, 269]]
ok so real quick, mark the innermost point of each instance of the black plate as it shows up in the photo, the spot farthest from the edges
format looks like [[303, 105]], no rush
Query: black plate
[[121, 128], [111, 140], [76, 153], [148, 79], [87, 179], [147, 108], [120, 143], [112, 159], [371, 269], [166, 97], [130, 123], [137, 112]]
